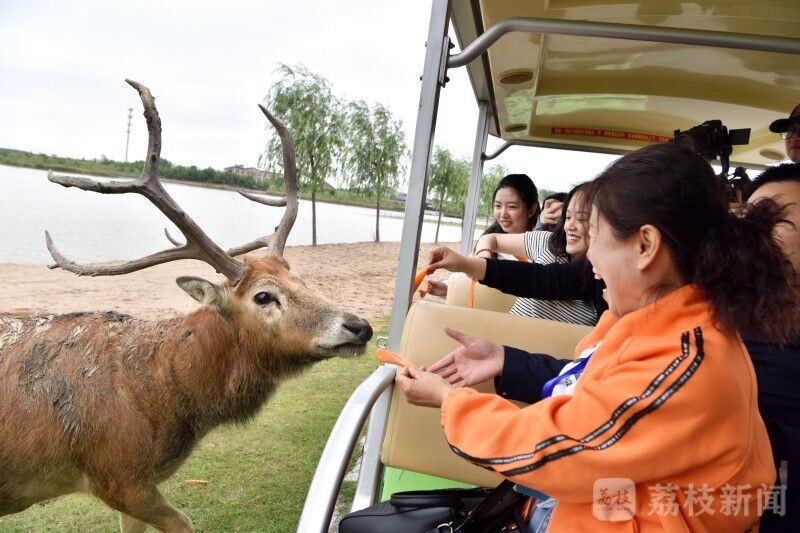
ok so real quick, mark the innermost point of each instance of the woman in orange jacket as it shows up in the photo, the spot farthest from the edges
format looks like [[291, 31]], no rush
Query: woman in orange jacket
[[655, 426]]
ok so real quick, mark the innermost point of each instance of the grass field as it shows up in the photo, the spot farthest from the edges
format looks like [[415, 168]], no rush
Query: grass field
[[258, 474]]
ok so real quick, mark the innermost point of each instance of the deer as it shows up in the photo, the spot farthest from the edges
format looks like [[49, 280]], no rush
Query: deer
[[112, 405]]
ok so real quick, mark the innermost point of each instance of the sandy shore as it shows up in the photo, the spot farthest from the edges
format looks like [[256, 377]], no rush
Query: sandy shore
[[360, 276]]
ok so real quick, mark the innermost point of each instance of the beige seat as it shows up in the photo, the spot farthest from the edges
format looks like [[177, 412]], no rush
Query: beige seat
[[485, 297], [414, 437]]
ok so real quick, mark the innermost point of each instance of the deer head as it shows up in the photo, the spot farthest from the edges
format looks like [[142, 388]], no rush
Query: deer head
[[280, 315], [260, 295]]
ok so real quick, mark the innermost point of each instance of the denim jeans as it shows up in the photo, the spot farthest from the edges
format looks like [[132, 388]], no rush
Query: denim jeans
[[541, 516]]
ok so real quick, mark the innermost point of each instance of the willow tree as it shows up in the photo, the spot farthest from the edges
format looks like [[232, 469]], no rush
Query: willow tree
[[375, 152], [448, 180], [490, 180], [306, 104]]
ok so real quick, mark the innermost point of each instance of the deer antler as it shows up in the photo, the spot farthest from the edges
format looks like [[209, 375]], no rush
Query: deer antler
[[289, 178], [277, 240], [198, 244]]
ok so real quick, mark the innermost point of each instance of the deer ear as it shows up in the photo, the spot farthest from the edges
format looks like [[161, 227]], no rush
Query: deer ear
[[201, 290]]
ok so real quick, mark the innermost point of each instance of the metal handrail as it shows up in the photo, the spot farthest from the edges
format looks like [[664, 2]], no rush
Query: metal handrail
[[658, 34], [547, 144], [321, 498], [581, 148], [370, 468]]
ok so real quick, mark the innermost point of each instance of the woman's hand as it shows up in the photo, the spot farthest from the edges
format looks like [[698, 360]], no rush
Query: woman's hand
[[737, 208], [475, 361], [422, 388], [551, 212], [448, 259], [437, 288]]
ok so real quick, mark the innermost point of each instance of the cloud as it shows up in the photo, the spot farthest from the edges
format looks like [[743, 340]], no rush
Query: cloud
[[209, 64]]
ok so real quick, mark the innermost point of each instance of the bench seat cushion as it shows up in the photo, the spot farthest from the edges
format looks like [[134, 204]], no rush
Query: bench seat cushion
[[414, 437]]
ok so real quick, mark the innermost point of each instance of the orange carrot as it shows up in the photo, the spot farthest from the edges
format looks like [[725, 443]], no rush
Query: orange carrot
[[471, 294], [419, 277], [390, 358]]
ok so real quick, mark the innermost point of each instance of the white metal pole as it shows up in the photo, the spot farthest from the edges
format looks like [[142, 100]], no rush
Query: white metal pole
[[476, 176], [433, 77]]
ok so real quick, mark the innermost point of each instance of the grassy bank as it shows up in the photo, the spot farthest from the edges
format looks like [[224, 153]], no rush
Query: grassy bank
[[169, 172], [258, 474]]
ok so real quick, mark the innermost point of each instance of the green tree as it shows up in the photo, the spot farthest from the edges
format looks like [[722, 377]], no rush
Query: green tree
[[544, 193], [448, 178], [306, 104], [490, 180], [375, 152], [458, 192]]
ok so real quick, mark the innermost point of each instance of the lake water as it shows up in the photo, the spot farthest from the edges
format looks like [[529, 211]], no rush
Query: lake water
[[88, 226]]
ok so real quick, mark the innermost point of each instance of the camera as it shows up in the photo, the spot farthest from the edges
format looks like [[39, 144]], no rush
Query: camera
[[738, 186], [711, 140]]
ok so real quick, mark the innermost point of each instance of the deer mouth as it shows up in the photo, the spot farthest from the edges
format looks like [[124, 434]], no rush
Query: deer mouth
[[345, 349], [349, 339], [351, 349]]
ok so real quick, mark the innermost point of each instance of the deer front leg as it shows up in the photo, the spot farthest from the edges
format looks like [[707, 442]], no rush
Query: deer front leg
[[129, 524], [142, 505]]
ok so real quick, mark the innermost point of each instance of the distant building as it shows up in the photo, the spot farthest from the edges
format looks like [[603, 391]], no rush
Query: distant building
[[258, 175], [402, 197]]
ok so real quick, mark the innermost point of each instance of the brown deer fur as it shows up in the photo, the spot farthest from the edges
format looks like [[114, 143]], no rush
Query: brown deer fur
[[112, 405]]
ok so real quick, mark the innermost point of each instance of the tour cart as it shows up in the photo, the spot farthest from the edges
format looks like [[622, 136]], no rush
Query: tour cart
[[582, 75]]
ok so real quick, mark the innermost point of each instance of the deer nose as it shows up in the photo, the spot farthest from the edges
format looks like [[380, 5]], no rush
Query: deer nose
[[358, 327]]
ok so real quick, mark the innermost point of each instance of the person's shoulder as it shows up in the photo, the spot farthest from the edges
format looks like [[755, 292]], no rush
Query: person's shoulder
[[537, 238], [536, 246], [538, 235], [788, 353]]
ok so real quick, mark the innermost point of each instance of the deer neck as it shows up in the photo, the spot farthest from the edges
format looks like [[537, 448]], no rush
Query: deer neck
[[223, 375]]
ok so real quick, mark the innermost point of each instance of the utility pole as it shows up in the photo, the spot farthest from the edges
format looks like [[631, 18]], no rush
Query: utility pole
[[127, 140]]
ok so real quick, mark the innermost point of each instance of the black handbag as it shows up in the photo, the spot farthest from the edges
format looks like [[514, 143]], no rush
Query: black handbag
[[441, 511]]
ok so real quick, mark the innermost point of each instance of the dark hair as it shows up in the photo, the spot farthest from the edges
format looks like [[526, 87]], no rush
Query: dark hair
[[751, 285], [526, 190], [783, 172], [557, 196], [557, 243]]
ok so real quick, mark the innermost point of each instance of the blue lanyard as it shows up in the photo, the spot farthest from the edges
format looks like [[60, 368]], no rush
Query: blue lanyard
[[547, 388]]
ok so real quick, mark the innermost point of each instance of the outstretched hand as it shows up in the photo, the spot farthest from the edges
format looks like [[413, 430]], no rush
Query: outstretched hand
[[422, 388], [475, 361], [448, 259]]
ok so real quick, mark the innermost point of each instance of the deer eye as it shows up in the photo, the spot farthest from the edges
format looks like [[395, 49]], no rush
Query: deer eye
[[264, 298]]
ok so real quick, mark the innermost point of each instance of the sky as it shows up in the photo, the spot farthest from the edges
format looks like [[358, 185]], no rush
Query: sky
[[208, 64]]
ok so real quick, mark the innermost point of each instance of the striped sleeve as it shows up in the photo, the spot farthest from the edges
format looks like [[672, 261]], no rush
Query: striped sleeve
[[536, 245]]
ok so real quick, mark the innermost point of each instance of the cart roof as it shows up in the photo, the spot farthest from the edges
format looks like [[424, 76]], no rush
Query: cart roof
[[606, 94]]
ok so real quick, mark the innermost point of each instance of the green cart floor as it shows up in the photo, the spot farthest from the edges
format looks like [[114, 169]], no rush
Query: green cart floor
[[396, 480]]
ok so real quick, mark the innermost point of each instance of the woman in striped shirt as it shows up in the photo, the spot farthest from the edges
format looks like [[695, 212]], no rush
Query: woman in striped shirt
[[515, 210], [566, 243]]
